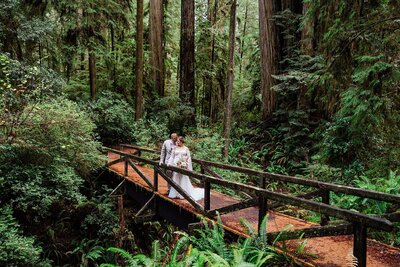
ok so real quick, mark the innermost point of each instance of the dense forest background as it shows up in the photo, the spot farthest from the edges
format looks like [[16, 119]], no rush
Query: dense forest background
[[306, 88]]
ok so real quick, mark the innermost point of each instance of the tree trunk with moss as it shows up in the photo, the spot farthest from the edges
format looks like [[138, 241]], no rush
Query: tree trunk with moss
[[230, 76]]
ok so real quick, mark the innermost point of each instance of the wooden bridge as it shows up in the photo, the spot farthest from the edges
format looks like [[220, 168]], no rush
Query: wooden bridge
[[333, 242]]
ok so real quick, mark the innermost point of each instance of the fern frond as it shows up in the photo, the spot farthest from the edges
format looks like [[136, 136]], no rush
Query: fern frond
[[351, 261]]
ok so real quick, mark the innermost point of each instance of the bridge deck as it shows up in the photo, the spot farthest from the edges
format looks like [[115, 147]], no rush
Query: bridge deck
[[331, 251]]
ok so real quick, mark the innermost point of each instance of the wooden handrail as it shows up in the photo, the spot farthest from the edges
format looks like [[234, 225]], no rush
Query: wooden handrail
[[352, 216], [349, 190]]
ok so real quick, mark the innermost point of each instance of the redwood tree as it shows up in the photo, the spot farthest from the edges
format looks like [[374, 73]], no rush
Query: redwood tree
[[156, 45], [268, 54], [186, 66], [139, 60], [229, 75]]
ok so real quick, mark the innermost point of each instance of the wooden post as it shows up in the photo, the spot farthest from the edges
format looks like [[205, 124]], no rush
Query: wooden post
[[126, 167], [155, 178], [325, 199], [262, 205], [121, 220], [207, 190], [360, 244]]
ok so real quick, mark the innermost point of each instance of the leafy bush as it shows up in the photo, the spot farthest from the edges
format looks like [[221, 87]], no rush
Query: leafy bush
[[114, 119], [150, 132], [51, 146], [175, 113], [16, 249]]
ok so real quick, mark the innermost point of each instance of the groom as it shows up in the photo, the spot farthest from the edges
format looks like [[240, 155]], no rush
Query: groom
[[166, 152]]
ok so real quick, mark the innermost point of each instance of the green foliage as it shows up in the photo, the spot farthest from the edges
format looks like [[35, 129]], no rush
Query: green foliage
[[388, 184], [148, 132], [206, 248], [114, 119], [173, 111], [15, 248]]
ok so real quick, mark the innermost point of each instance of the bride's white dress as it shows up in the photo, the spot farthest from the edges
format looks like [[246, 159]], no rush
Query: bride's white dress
[[180, 157]]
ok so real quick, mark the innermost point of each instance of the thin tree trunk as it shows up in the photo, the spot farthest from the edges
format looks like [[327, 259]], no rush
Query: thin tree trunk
[[268, 54], [82, 60], [139, 61], [187, 59], [229, 76], [213, 97], [243, 36], [113, 53], [92, 73], [156, 45], [208, 79]]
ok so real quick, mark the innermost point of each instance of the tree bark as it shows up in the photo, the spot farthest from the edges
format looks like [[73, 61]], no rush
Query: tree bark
[[243, 36], [187, 59], [139, 61], [92, 73], [213, 95], [156, 45], [230, 76], [114, 58], [268, 54], [307, 46]]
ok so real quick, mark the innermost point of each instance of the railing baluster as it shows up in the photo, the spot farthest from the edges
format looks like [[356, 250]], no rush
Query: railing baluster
[[155, 178], [207, 191], [325, 199], [126, 167], [262, 204], [360, 244]]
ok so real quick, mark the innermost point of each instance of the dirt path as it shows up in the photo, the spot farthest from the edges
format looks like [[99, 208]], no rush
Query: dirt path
[[331, 251]]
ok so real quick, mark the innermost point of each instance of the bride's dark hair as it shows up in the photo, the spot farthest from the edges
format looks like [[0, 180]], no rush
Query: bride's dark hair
[[181, 139]]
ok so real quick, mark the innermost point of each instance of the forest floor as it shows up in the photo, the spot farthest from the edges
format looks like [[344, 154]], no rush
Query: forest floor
[[328, 251]]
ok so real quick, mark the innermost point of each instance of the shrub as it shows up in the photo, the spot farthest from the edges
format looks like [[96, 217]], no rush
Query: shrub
[[16, 249], [114, 119]]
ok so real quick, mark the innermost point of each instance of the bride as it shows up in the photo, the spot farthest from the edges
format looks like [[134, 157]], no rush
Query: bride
[[180, 157]]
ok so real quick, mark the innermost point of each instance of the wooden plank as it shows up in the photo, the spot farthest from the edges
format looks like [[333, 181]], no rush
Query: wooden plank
[[145, 206], [325, 200], [343, 229], [180, 190], [390, 198], [144, 218], [360, 244], [141, 174], [114, 162], [352, 216], [393, 217], [234, 207], [311, 195], [112, 194]]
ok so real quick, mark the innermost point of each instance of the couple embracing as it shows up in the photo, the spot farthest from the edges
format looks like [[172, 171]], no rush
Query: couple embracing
[[175, 153]]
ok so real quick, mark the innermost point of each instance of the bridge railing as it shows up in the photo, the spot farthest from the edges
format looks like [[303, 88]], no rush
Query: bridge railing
[[358, 222]]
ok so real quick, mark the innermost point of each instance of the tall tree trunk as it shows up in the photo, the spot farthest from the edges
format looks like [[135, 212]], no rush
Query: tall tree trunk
[[268, 53], [243, 36], [213, 104], [208, 79], [229, 76], [92, 73], [186, 88], [307, 45], [139, 61], [156, 45], [113, 53]]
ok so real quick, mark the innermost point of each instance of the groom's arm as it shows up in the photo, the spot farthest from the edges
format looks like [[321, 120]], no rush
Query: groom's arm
[[163, 153]]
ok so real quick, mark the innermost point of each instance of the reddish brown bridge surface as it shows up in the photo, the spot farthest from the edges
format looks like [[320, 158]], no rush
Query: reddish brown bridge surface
[[330, 250]]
